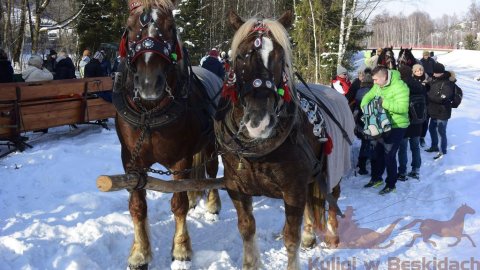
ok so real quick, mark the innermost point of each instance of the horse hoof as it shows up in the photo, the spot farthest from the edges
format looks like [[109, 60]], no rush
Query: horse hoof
[[138, 267], [181, 265]]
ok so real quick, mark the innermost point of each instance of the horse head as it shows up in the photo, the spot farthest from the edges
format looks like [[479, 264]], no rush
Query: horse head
[[153, 48], [387, 58], [466, 209], [259, 77], [405, 57]]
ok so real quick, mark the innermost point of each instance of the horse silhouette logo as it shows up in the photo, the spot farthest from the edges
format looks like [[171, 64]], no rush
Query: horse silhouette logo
[[449, 228], [354, 237]]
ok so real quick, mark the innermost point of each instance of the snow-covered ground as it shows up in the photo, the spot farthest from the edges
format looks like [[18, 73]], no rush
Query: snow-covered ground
[[53, 217]]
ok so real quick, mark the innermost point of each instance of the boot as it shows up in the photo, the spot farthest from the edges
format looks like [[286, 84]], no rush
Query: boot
[[362, 164]]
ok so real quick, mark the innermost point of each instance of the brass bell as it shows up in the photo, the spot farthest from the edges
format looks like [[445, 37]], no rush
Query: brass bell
[[240, 166]]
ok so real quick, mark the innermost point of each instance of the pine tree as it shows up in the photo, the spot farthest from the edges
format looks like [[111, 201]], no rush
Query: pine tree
[[102, 21], [191, 27]]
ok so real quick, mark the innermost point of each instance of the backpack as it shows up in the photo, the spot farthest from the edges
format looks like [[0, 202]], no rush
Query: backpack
[[417, 110], [457, 96], [375, 119]]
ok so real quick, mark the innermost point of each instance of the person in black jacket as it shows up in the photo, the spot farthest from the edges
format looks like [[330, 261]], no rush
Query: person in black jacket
[[427, 63], [439, 108], [6, 69], [413, 132], [64, 68], [213, 64], [94, 68], [366, 147], [51, 62], [422, 77]]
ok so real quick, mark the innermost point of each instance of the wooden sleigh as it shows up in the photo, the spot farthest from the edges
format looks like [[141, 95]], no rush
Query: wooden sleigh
[[41, 105]]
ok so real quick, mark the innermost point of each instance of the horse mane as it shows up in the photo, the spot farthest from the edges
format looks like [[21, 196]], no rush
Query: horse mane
[[161, 4], [278, 32]]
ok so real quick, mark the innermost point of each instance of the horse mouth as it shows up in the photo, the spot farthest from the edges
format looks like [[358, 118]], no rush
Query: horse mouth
[[150, 97], [261, 130]]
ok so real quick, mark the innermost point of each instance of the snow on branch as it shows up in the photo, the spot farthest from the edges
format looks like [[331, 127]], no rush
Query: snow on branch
[[61, 25]]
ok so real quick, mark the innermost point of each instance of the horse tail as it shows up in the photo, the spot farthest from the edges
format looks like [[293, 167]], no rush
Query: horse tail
[[198, 172], [317, 200], [411, 224]]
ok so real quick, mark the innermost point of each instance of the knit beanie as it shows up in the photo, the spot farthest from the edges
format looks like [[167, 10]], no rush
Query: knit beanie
[[438, 68], [35, 61], [341, 70]]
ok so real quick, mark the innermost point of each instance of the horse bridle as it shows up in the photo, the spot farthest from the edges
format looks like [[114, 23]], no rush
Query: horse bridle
[[263, 78], [167, 49]]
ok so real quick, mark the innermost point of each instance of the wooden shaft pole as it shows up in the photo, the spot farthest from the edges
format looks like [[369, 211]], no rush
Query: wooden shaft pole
[[108, 183]]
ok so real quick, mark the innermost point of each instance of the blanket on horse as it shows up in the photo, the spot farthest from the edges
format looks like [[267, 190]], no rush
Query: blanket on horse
[[338, 162], [212, 86]]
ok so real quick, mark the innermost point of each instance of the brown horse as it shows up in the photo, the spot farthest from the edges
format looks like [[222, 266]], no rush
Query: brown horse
[[164, 115], [449, 228], [387, 58], [268, 147]]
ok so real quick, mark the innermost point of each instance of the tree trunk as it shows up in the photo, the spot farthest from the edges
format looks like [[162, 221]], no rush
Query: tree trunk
[[39, 9], [17, 51], [314, 40], [341, 39]]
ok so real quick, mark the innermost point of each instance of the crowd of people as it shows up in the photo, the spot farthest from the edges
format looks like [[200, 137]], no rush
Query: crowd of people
[[57, 66], [426, 81]]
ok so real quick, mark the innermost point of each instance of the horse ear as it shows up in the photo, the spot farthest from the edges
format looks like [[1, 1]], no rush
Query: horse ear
[[286, 19], [391, 47], [401, 48], [235, 20]]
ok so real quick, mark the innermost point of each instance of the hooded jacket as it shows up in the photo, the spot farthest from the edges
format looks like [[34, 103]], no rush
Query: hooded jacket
[[395, 99], [34, 74]]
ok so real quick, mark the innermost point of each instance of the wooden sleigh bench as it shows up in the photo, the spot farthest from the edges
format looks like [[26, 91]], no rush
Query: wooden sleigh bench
[[41, 105]]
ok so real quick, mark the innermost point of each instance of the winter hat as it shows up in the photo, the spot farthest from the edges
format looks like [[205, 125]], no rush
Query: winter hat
[[86, 53], [35, 61], [213, 52], [98, 55], [52, 52], [405, 72], [341, 70], [438, 68], [426, 53]]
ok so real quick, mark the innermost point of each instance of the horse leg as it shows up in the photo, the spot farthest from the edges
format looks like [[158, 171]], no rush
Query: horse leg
[[308, 233], [456, 242], [181, 245], [140, 254], [469, 238], [213, 203], [246, 227], [291, 232], [331, 237], [415, 236]]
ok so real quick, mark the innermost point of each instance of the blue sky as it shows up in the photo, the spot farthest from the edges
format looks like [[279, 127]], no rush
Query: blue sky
[[436, 8]]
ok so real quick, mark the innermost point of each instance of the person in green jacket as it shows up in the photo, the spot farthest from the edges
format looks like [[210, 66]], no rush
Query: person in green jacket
[[394, 97]]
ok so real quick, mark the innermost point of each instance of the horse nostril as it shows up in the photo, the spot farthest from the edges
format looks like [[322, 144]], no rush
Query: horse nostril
[[136, 79]]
